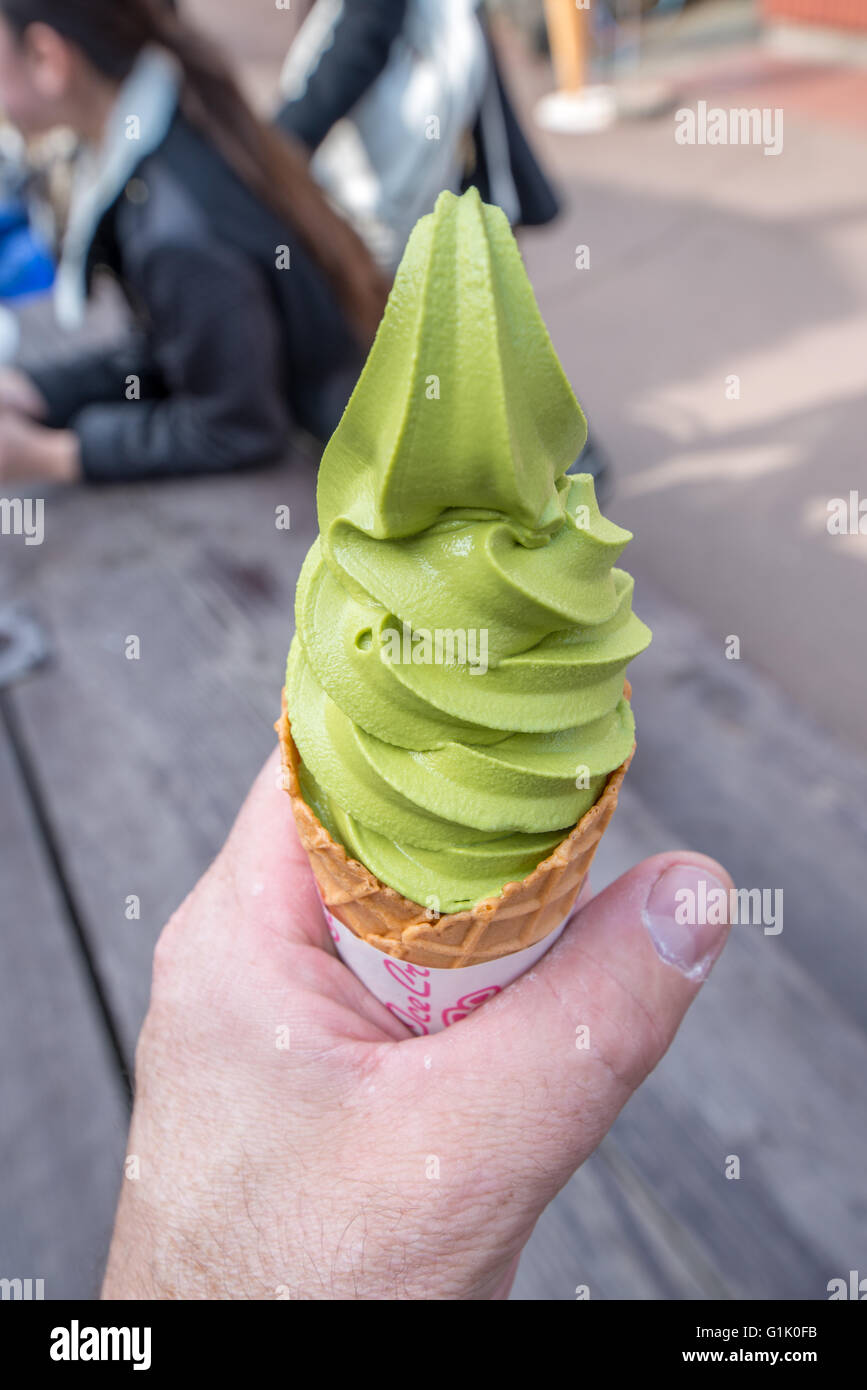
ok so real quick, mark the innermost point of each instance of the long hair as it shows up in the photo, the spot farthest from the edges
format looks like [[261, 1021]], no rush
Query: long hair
[[112, 33]]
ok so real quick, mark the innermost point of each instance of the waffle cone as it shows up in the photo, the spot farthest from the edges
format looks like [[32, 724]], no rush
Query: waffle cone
[[522, 914]]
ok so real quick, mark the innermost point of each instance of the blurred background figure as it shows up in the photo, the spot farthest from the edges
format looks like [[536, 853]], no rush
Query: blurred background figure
[[25, 260], [26, 267], [399, 99], [254, 301]]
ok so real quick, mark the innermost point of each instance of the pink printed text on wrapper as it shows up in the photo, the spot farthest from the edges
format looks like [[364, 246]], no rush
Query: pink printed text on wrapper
[[425, 998]]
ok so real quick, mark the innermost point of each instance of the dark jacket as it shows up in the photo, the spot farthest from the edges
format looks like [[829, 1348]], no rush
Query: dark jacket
[[230, 350], [347, 67]]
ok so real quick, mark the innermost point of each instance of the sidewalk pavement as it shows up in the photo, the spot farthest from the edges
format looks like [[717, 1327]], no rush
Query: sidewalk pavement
[[708, 263]]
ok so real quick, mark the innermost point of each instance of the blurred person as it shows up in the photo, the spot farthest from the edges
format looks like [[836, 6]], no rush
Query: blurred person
[[397, 100], [254, 301]]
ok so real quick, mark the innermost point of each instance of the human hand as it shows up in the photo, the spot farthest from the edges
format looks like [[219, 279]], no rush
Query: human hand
[[20, 393], [30, 452], [360, 1161]]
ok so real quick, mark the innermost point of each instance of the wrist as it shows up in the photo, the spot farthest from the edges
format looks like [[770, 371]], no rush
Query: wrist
[[62, 456], [19, 392]]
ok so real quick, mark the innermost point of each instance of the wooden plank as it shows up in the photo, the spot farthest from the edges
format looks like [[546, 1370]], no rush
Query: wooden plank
[[766, 1070], [150, 758], [765, 1067], [146, 761], [731, 767], [63, 1117], [604, 1233], [156, 755], [199, 571], [769, 1061]]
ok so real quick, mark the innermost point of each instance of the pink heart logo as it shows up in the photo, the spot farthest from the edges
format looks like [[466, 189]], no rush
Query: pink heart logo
[[466, 1004]]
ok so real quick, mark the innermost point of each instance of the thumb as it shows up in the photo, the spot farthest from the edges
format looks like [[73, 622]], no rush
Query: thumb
[[581, 1031]]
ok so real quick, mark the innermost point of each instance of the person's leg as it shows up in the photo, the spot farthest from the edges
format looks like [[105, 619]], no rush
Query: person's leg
[[594, 461]]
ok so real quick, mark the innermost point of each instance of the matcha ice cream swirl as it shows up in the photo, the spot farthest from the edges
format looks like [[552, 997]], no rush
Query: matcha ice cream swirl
[[455, 685]]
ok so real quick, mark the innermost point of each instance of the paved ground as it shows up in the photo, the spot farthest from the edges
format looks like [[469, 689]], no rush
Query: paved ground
[[712, 262]]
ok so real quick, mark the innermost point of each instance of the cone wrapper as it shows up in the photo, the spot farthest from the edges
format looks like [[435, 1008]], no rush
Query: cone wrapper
[[432, 970], [425, 998]]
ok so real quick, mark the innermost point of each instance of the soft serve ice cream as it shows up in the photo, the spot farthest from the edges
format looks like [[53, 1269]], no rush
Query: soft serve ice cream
[[456, 683]]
